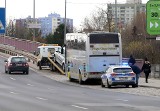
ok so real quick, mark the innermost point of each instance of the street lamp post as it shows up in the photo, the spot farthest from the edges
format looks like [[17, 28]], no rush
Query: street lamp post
[[5, 22], [116, 16], [65, 37], [33, 19]]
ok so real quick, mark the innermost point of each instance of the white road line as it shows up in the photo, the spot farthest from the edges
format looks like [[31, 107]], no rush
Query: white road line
[[2, 56], [12, 78], [30, 85], [121, 100], [51, 89], [13, 93], [79, 107], [41, 98]]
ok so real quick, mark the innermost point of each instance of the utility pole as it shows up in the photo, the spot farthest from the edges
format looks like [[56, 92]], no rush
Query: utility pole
[[65, 37], [116, 16], [5, 22], [34, 20]]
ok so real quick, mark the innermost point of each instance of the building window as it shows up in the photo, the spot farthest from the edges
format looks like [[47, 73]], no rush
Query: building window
[[122, 7], [122, 11]]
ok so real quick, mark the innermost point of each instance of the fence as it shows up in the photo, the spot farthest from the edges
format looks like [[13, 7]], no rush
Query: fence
[[20, 44]]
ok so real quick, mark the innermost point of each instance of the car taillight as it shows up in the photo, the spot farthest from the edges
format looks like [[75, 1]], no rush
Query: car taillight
[[132, 74], [93, 72], [113, 74], [26, 64], [10, 64]]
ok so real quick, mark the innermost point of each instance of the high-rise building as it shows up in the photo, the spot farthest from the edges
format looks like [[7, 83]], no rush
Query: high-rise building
[[126, 12], [49, 24]]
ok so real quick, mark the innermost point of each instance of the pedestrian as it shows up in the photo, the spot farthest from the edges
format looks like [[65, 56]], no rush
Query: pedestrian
[[146, 68], [137, 71], [131, 60]]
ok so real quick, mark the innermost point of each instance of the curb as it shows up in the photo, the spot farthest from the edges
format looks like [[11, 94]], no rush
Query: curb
[[149, 86]]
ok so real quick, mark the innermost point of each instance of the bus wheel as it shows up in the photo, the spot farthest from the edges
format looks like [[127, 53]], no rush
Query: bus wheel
[[80, 79], [69, 77]]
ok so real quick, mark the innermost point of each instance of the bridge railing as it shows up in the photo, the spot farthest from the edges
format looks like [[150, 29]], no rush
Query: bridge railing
[[12, 51], [20, 44]]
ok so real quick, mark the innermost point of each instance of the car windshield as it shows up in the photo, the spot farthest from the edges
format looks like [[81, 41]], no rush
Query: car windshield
[[122, 70], [18, 59]]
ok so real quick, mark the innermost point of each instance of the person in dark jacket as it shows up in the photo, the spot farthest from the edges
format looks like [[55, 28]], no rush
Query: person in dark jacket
[[137, 71], [146, 68], [131, 60]]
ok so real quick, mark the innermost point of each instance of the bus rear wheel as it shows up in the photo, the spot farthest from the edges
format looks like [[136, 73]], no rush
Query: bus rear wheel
[[80, 79]]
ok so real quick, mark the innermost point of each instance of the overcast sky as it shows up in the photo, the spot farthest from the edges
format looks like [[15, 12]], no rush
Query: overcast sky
[[76, 9]]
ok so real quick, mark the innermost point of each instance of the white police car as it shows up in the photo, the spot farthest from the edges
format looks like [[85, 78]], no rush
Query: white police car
[[118, 75]]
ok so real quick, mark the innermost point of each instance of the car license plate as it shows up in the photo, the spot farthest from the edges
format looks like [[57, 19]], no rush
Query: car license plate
[[123, 78], [19, 65]]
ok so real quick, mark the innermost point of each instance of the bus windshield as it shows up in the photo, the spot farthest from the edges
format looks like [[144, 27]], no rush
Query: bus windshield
[[105, 44], [104, 38]]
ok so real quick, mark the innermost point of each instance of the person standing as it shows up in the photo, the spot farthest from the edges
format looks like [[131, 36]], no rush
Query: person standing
[[131, 60], [137, 71], [146, 68]]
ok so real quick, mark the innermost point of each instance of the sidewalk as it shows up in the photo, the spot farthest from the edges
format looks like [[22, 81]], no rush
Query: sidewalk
[[152, 83]]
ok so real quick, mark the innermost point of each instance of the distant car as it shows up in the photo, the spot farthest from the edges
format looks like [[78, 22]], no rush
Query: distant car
[[16, 64], [59, 57], [118, 75]]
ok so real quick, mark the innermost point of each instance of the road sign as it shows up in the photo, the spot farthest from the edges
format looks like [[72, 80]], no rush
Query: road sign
[[157, 38], [153, 17], [2, 21], [34, 25]]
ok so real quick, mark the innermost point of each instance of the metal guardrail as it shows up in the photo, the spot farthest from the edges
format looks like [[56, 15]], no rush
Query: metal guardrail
[[12, 51]]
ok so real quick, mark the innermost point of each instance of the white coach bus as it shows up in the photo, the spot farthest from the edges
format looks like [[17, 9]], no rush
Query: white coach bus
[[88, 55]]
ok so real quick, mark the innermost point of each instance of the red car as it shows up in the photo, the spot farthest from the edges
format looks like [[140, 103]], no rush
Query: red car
[[16, 64]]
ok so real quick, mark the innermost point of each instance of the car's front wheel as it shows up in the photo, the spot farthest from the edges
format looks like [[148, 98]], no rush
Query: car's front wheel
[[27, 72], [108, 85], [133, 86], [6, 70], [102, 85], [9, 72]]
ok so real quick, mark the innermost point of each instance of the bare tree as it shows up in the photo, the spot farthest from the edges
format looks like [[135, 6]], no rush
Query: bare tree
[[100, 20]]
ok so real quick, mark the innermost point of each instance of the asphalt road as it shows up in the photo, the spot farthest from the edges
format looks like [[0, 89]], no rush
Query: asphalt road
[[35, 92]]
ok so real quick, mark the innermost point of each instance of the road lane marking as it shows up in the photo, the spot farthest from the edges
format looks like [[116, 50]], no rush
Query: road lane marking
[[121, 100], [79, 107], [13, 93], [51, 89], [30, 85], [41, 98], [12, 78]]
